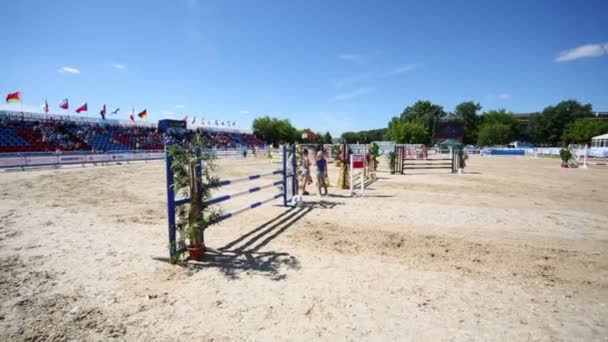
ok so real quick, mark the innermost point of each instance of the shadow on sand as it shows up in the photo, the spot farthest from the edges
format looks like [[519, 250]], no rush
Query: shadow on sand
[[243, 254]]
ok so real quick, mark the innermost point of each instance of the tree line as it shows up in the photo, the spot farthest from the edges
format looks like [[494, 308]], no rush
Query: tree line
[[566, 122], [279, 131]]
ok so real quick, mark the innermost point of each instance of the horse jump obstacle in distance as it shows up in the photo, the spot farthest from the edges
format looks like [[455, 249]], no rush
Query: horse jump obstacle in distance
[[288, 182], [402, 163], [357, 172]]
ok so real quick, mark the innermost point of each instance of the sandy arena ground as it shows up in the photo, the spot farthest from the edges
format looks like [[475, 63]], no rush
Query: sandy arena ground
[[515, 249]]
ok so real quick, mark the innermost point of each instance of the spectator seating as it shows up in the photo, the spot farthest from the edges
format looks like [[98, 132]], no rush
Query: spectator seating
[[51, 135]]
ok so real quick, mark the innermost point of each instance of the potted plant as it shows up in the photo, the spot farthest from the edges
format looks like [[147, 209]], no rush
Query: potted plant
[[375, 150], [565, 155], [463, 156], [192, 177], [392, 160]]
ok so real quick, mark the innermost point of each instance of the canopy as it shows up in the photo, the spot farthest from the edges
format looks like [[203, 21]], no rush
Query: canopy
[[600, 137], [450, 142]]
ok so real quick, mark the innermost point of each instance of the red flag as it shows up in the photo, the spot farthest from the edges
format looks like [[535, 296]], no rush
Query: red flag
[[13, 97], [64, 104], [82, 108], [46, 106], [143, 114], [132, 116]]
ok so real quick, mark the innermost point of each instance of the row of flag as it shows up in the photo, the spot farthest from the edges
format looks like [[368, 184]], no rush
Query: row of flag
[[16, 98], [65, 104], [209, 122]]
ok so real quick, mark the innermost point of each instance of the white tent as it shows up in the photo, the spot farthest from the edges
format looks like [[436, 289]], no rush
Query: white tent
[[600, 141]]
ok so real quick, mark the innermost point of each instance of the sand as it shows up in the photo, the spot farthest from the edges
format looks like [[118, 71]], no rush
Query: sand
[[514, 249]]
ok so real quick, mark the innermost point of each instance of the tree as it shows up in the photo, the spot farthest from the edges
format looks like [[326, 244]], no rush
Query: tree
[[408, 132], [467, 113], [556, 118], [423, 114], [494, 133], [504, 118], [582, 130], [327, 139], [274, 131], [537, 129], [364, 137]]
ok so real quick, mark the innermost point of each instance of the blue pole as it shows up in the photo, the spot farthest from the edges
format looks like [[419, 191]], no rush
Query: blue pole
[[199, 184], [284, 175], [294, 165], [170, 206]]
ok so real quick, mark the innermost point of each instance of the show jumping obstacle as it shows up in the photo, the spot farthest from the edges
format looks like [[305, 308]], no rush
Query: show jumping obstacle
[[403, 163], [288, 183]]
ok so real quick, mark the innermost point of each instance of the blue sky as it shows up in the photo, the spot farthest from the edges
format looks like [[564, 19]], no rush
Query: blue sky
[[327, 65]]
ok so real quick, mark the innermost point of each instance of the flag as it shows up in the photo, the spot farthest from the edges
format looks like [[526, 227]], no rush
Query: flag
[[115, 111], [193, 119], [185, 118], [103, 112], [46, 106], [64, 104], [222, 123], [132, 116], [82, 108], [143, 114], [13, 97], [233, 123]]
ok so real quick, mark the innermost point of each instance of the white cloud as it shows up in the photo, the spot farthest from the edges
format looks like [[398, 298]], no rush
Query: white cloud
[[119, 66], [69, 70], [353, 94], [583, 51], [404, 68], [180, 106], [349, 57], [503, 96], [245, 112]]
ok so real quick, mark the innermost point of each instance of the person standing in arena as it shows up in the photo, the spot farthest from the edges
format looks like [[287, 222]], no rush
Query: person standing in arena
[[321, 172], [306, 178]]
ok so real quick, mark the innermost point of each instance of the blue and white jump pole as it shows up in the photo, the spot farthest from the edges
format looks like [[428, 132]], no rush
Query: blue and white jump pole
[[288, 182]]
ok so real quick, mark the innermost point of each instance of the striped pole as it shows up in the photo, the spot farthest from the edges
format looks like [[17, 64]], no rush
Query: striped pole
[[170, 206], [249, 207], [248, 178], [223, 198], [284, 176]]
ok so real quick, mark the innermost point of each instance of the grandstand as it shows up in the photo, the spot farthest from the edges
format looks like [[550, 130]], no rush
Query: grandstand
[[33, 132]]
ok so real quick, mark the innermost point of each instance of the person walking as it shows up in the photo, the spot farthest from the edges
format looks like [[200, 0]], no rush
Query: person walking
[[321, 163]]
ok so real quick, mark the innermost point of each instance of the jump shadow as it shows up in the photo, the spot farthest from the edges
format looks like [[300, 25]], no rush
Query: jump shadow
[[243, 254], [323, 204]]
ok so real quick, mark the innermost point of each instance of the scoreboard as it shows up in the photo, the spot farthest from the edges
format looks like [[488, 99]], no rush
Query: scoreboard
[[168, 125]]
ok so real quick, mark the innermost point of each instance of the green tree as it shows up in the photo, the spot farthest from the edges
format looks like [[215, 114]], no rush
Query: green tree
[[494, 133], [408, 132], [504, 118], [556, 118], [582, 130], [327, 139], [537, 129], [274, 131], [422, 113], [467, 113]]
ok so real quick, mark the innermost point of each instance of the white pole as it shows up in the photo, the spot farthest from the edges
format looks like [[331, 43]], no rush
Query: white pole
[[350, 177], [363, 184], [585, 151]]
